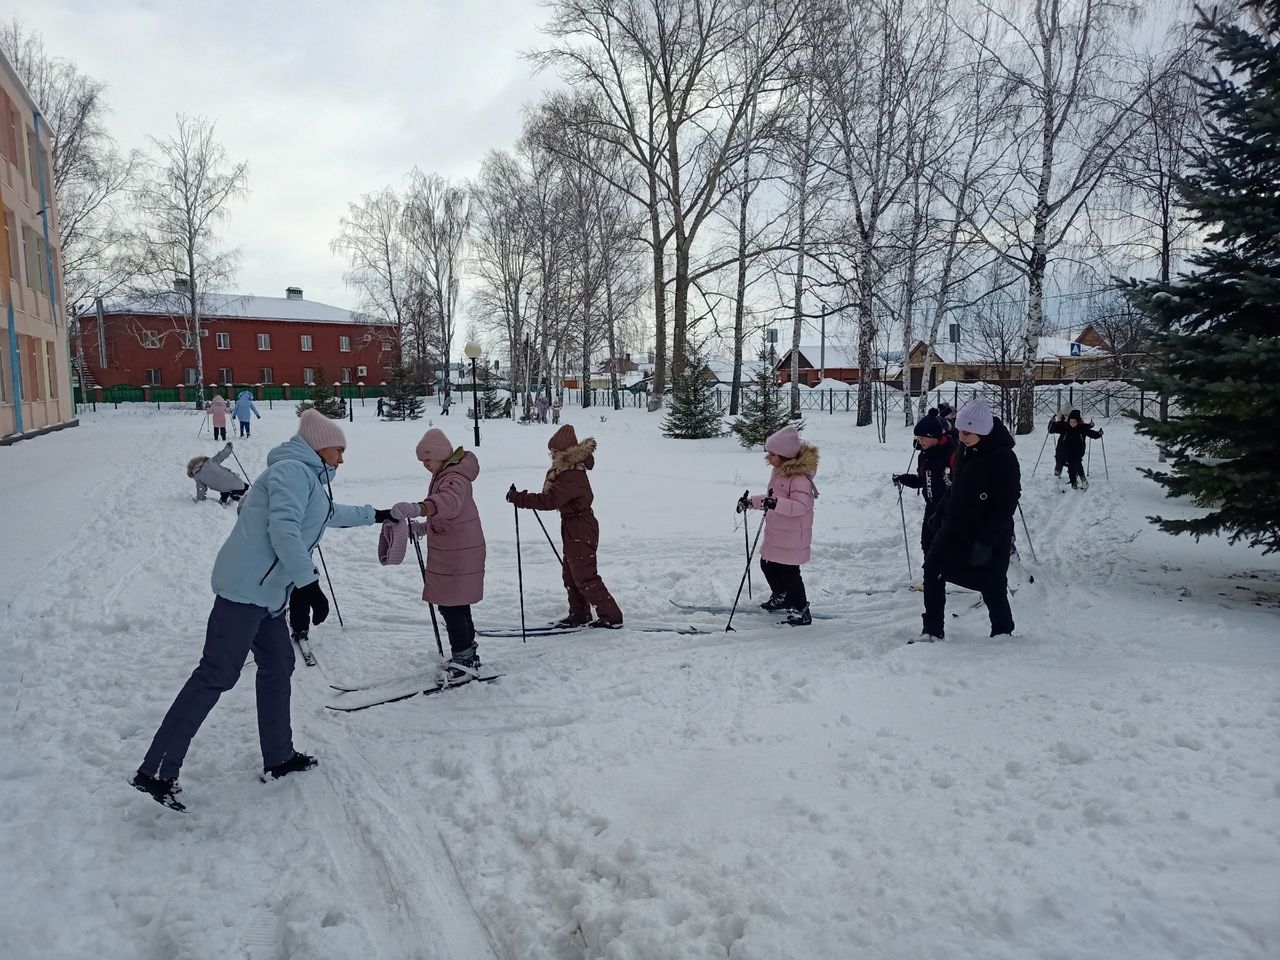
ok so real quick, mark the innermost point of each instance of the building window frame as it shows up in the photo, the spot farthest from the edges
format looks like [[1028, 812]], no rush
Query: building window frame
[[309, 376], [154, 378], [222, 340], [264, 341], [226, 375], [150, 339], [346, 374], [265, 375], [305, 343], [344, 344]]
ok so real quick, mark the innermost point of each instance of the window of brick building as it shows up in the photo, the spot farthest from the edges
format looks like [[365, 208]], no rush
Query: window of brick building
[[346, 374], [153, 377], [344, 344], [151, 339], [225, 375], [264, 341], [189, 377], [308, 375], [222, 341], [51, 369], [264, 375], [306, 341]]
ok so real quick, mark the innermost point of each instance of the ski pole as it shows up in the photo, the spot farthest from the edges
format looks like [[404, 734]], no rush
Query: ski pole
[[524, 638], [1027, 531], [241, 466], [548, 536], [203, 421], [430, 606], [1088, 461], [1103, 441], [905, 542], [746, 545], [1044, 443], [325, 567], [760, 529]]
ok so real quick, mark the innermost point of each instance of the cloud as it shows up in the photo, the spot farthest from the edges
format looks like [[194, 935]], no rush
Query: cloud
[[325, 100]]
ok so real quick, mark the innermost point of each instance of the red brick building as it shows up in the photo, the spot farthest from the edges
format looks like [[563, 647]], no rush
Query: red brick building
[[245, 340]]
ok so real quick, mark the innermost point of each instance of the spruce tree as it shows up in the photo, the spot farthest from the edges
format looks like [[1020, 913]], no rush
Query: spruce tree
[[324, 399], [763, 411], [694, 414], [1215, 336], [403, 401]]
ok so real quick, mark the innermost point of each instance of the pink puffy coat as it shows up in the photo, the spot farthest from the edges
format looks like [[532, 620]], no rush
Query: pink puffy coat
[[788, 530], [218, 408], [453, 535]]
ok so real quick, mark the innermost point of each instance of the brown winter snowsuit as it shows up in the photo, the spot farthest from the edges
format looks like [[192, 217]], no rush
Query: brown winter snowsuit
[[568, 490]]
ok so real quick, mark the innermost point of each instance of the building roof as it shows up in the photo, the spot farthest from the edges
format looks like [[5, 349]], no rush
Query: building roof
[[241, 307], [836, 357], [1050, 348]]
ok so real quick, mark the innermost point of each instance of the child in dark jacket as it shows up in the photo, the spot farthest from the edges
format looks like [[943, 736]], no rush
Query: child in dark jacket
[[1070, 448], [933, 471]]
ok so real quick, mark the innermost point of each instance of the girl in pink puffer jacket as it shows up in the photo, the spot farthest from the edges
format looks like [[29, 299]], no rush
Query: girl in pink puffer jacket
[[788, 524]]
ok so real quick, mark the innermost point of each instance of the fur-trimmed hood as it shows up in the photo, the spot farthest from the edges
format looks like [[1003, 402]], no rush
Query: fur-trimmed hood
[[194, 464], [580, 456], [804, 463]]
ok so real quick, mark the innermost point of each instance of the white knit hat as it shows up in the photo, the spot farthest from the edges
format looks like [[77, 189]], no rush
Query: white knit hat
[[319, 431], [975, 417]]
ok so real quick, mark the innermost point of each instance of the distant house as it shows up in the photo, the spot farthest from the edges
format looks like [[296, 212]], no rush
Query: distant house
[[1059, 358], [622, 365], [818, 363]]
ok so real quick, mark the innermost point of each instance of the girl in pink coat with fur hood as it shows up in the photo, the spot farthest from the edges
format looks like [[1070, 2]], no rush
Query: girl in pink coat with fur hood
[[788, 524], [455, 544]]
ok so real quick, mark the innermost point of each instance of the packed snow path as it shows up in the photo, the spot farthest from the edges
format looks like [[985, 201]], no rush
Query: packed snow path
[[1106, 784]]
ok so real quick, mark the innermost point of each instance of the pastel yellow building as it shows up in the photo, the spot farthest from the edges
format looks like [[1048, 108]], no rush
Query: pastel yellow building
[[35, 379]]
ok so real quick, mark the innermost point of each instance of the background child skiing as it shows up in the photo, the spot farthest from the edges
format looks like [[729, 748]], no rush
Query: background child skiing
[[568, 489], [218, 409], [244, 407], [788, 524], [210, 474], [1070, 449]]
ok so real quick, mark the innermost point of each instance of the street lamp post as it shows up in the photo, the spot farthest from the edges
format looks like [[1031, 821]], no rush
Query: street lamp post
[[472, 350]]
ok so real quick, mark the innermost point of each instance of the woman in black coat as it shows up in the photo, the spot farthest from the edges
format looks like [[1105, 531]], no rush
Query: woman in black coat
[[975, 533]]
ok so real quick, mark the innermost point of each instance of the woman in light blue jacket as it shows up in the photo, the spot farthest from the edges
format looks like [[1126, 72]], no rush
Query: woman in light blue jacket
[[265, 559], [245, 406]]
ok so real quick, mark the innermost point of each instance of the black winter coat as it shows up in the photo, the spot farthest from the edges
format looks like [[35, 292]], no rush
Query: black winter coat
[[933, 471], [1071, 442], [985, 488]]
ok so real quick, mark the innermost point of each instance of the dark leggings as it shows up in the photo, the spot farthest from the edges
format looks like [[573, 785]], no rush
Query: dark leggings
[[785, 581], [462, 631]]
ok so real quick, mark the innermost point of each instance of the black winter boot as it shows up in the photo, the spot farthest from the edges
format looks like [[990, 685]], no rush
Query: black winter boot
[[163, 792], [775, 603], [801, 618], [572, 621], [295, 764], [462, 667], [604, 624]]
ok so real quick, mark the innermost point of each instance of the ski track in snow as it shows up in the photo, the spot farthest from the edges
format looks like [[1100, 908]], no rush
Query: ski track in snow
[[1103, 785]]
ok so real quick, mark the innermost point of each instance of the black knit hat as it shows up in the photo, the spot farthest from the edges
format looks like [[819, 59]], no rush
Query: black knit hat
[[930, 426], [1075, 415]]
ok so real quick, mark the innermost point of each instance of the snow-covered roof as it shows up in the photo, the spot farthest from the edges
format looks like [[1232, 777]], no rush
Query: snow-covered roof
[[241, 307], [835, 356]]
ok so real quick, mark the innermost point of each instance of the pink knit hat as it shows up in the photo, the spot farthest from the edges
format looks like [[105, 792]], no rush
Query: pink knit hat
[[434, 445], [319, 431], [785, 443]]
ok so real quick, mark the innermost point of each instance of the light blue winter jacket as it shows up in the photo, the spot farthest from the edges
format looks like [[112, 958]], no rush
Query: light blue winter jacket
[[245, 406], [281, 520]]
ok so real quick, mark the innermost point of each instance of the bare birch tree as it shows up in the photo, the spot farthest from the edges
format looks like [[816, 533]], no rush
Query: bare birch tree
[[436, 217], [182, 199]]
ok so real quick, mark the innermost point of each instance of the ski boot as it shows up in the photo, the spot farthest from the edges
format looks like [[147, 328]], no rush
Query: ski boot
[[461, 668], [569, 622], [799, 618], [926, 637], [604, 624], [163, 792], [775, 603], [295, 764]]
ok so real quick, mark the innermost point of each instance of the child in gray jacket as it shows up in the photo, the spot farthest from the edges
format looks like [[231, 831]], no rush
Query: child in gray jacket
[[210, 474]]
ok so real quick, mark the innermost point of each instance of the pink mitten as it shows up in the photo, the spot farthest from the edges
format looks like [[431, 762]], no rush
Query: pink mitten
[[406, 509], [757, 501]]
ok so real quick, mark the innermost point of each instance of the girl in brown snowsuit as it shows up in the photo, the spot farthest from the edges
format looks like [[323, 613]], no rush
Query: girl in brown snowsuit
[[568, 490]]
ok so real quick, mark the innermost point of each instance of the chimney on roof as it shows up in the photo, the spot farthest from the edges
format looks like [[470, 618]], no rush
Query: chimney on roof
[[293, 293], [181, 285], [627, 357]]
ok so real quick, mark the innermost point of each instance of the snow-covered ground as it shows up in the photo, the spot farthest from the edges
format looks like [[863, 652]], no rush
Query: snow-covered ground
[[1105, 785]]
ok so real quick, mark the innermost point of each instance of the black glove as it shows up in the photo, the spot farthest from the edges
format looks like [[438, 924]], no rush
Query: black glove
[[1099, 430], [744, 503], [979, 554], [382, 516], [769, 503], [228, 446], [897, 479], [511, 494], [316, 600]]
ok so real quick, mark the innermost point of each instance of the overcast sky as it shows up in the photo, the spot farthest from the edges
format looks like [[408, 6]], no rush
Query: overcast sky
[[325, 99]]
